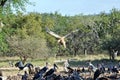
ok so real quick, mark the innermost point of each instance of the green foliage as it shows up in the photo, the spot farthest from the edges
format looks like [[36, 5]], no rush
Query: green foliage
[[29, 47], [8, 6], [4, 45], [25, 34]]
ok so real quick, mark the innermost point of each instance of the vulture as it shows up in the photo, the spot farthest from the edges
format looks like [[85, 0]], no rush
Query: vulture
[[115, 69], [40, 73], [20, 65], [96, 74], [51, 71], [92, 67], [61, 39]]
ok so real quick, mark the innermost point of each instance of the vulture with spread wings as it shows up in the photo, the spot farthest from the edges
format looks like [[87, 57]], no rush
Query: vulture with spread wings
[[61, 39]]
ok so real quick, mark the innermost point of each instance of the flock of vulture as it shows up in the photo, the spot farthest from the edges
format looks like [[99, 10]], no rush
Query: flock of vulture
[[47, 72]]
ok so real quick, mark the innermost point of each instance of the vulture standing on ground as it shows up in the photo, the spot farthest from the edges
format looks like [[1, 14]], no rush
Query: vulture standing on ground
[[115, 69], [40, 73], [20, 65], [61, 39], [92, 67], [51, 71], [25, 76], [66, 64], [96, 74]]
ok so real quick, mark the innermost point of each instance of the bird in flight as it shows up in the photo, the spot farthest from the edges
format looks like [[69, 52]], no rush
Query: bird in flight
[[61, 39]]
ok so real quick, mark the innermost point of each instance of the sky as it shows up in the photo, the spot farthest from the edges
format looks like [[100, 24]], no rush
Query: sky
[[73, 7]]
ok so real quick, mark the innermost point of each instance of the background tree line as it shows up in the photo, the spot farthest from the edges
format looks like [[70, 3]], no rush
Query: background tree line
[[25, 35]]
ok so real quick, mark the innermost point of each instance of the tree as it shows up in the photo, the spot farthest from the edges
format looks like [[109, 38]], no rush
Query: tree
[[30, 47], [7, 6], [111, 46], [111, 28]]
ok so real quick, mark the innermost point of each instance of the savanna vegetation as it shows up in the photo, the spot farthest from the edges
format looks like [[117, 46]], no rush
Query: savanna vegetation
[[24, 35]]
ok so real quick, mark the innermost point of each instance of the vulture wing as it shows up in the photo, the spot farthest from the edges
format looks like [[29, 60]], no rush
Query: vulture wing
[[71, 33], [52, 33]]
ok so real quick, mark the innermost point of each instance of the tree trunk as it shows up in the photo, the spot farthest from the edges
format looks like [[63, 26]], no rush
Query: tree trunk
[[2, 2], [111, 54]]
